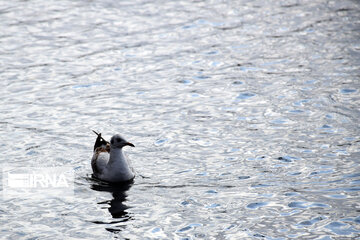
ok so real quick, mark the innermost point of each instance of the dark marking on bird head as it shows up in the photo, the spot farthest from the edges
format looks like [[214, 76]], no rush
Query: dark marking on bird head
[[118, 141]]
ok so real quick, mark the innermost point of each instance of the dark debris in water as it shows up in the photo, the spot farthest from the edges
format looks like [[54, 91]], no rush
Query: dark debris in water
[[287, 159], [243, 177], [258, 235], [32, 147]]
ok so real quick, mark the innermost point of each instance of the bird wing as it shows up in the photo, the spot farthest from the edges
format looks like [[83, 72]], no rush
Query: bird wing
[[99, 160], [100, 141]]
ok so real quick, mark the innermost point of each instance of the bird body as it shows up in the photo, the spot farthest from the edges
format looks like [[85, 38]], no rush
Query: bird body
[[109, 163]]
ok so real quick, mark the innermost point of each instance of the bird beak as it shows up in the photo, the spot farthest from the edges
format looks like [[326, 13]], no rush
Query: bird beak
[[129, 144]]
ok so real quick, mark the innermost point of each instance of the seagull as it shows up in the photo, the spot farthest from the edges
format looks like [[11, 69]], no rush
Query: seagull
[[109, 162]]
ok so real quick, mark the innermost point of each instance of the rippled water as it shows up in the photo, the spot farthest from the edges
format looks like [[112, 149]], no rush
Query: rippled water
[[245, 116]]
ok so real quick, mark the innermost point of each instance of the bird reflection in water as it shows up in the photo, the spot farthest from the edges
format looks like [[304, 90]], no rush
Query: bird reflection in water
[[118, 208]]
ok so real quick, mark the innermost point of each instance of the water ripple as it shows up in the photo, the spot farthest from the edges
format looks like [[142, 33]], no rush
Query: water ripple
[[241, 111]]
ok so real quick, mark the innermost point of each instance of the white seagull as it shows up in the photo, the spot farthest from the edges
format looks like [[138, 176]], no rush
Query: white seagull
[[109, 162]]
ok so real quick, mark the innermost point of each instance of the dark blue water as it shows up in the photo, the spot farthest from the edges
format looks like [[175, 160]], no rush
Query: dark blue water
[[245, 116]]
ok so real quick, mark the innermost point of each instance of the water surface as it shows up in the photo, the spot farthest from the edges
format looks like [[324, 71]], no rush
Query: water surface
[[245, 116]]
